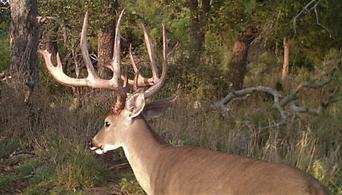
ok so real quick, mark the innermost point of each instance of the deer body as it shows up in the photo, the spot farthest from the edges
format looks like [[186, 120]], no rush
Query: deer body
[[161, 168]]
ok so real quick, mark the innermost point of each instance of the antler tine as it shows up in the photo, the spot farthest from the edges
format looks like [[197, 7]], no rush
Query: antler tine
[[58, 75], [116, 53], [150, 51], [135, 68], [121, 97], [138, 81], [153, 89], [84, 49]]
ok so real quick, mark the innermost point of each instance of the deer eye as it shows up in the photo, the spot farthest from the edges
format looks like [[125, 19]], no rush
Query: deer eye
[[107, 124]]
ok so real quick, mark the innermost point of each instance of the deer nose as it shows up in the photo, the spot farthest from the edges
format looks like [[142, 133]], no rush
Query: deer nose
[[93, 144], [90, 144]]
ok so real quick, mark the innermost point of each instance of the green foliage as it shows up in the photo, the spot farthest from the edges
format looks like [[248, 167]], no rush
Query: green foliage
[[42, 180], [319, 171], [274, 20], [4, 38], [7, 147], [81, 170], [173, 14], [4, 52], [28, 167], [6, 181], [311, 35], [130, 186]]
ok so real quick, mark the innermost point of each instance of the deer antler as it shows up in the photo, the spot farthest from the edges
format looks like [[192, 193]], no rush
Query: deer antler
[[155, 83], [94, 81]]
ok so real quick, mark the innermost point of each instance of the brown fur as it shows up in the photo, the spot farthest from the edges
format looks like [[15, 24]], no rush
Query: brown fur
[[191, 170]]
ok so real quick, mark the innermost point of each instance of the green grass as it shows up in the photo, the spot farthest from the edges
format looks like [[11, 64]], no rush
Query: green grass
[[8, 146], [81, 170], [4, 51], [128, 184], [6, 183]]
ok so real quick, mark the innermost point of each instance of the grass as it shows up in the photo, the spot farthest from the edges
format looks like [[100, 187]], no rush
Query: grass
[[8, 146], [80, 171], [129, 185], [4, 49]]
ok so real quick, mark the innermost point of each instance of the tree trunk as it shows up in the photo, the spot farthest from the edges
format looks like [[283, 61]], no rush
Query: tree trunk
[[105, 38], [238, 63], [198, 20], [285, 71], [24, 42]]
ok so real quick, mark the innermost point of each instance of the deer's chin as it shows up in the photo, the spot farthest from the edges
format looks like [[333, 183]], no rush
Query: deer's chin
[[99, 151], [103, 149]]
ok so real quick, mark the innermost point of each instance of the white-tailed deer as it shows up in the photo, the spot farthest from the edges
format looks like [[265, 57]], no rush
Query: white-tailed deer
[[161, 168]]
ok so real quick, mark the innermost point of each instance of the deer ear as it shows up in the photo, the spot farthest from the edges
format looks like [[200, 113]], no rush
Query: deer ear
[[135, 104], [155, 109]]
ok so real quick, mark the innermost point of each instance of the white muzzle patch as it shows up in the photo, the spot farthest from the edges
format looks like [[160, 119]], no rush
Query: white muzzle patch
[[103, 149]]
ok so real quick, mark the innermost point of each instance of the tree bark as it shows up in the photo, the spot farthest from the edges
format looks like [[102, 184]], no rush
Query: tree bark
[[198, 21], [285, 71], [238, 63], [24, 42], [105, 38]]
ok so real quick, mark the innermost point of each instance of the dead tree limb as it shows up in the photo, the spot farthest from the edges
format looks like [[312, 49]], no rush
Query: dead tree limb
[[243, 92], [306, 84], [280, 102], [312, 5]]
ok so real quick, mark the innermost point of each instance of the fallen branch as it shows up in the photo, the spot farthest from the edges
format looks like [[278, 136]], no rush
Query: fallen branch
[[306, 84], [332, 98], [247, 91], [280, 102]]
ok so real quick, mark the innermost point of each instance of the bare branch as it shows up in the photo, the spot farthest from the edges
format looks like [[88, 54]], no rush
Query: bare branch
[[332, 98], [318, 23], [307, 8], [4, 2], [243, 92], [313, 85], [280, 103]]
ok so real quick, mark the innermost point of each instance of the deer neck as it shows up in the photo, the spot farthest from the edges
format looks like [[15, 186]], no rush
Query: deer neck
[[142, 147]]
